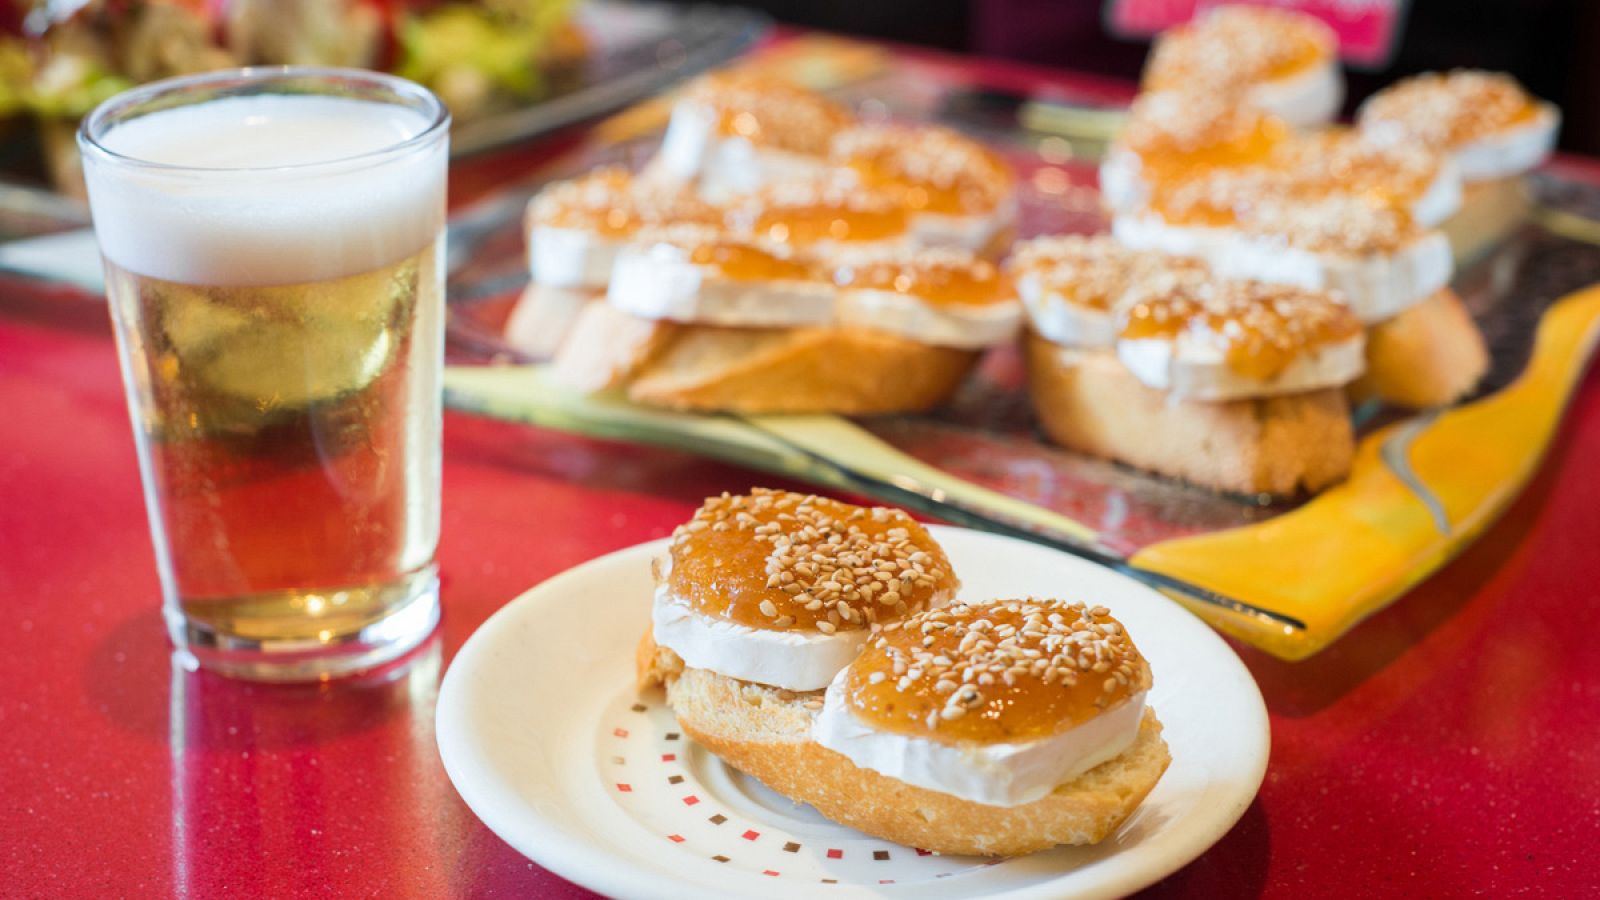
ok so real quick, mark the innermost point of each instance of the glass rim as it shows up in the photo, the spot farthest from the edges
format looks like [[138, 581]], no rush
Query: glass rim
[[89, 143]]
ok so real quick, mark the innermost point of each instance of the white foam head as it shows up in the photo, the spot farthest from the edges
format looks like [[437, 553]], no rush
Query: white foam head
[[267, 189]]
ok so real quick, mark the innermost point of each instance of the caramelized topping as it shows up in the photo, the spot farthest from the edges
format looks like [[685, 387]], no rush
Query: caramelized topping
[[1011, 670], [1238, 45], [933, 170], [1099, 273], [1260, 328], [611, 202], [1302, 169], [783, 561], [1333, 224], [1309, 213], [1342, 161], [932, 275], [1222, 197], [1176, 133], [1446, 110], [734, 258], [770, 112], [742, 261], [827, 208]]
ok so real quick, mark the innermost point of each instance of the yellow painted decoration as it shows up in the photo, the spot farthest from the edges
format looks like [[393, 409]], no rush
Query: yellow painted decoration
[[1357, 547]]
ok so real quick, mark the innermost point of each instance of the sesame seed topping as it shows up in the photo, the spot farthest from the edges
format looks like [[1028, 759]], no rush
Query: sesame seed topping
[[1019, 683], [1096, 273], [1260, 328], [777, 559], [1445, 110], [1238, 46], [610, 200], [938, 169], [770, 111]]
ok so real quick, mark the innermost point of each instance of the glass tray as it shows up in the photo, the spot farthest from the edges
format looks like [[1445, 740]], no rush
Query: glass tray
[[1289, 576]]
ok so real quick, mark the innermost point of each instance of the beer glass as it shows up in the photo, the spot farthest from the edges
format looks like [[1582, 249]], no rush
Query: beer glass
[[273, 242]]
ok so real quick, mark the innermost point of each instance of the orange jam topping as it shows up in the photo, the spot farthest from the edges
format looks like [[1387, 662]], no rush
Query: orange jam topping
[[783, 561], [932, 275], [611, 202], [1238, 45], [1099, 273], [1260, 328], [1340, 160], [934, 170], [732, 257], [1175, 134], [1446, 110], [770, 112], [1334, 224], [1222, 197], [1010, 670], [805, 212], [740, 261]]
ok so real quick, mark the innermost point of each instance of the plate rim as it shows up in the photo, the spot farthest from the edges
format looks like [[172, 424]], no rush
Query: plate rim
[[596, 867]]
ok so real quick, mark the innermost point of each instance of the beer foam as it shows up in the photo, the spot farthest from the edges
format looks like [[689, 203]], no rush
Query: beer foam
[[271, 189]]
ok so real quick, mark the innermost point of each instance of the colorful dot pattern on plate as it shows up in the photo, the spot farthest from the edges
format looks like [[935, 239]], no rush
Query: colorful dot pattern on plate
[[683, 793]]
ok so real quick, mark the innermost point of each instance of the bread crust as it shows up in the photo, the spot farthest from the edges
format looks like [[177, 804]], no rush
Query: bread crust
[[1430, 355], [1087, 401], [798, 370], [1490, 212], [757, 730], [605, 347], [653, 664]]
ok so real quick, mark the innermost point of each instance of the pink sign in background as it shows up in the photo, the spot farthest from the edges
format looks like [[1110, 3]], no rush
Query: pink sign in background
[[1368, 29]]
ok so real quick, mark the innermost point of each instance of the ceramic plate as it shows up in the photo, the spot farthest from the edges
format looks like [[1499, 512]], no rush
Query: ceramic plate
[[549, 743]]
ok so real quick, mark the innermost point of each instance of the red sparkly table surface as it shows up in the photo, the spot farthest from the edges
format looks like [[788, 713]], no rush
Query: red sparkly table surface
[[1447, 746]]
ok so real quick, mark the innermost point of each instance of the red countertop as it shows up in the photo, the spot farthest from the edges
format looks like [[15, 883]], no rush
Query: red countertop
[[1447, 746]]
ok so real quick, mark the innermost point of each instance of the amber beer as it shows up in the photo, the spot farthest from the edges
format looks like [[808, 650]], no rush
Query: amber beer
[[273, 257]]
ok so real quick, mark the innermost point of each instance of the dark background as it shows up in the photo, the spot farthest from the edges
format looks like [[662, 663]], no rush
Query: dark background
[[1552, 46]]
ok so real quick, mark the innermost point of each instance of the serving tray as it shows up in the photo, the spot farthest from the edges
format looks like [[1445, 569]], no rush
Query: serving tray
[[1289, 577]]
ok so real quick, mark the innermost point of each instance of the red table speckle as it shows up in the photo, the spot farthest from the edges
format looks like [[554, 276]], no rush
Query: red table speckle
[[1447, 746]]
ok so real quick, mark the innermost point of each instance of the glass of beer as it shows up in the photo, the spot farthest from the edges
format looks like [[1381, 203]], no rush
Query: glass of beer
[[273, 242]]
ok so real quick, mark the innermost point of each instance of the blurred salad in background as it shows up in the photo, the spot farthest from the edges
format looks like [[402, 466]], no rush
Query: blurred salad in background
[[60, 58]]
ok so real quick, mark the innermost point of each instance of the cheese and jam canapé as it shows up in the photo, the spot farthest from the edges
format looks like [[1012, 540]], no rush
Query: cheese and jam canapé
[[997, 703], [782, 589]]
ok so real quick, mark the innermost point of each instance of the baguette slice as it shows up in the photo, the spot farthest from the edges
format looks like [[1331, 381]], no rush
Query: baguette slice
[[1490, 212], [544, 316], [798, 370], [1430, 355], [766, 733], [605, 347], [1087, 401]]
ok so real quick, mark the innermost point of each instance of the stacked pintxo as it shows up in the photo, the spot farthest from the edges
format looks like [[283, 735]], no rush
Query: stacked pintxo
[[1155, 361], [1493, 131], [1284, 62], [819, 647], [1211, 174], [780, 254]]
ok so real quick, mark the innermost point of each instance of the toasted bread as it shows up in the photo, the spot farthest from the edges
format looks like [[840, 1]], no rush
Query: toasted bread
[[1087, 401], [796, 370], [766, 733], [1430, 355], [606, 346]]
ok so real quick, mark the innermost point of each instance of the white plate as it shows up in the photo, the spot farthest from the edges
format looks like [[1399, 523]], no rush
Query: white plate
[[545, 737]]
